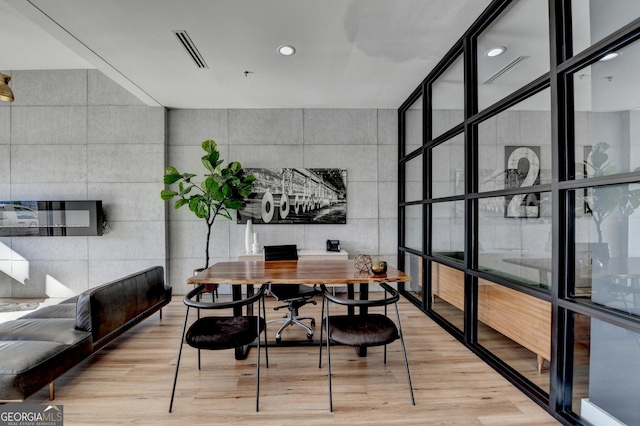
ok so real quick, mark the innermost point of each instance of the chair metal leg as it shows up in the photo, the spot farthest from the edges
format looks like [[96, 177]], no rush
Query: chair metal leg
[[329, 363], [404, 354], [321, 329], [175, 379], [264, 315], [258, 363]]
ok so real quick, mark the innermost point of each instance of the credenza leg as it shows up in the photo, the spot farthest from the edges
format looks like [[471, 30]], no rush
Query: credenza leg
[[540, 363], [52, 391]]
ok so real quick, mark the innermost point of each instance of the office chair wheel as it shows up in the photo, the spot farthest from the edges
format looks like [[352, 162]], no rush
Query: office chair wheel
[[310, 336], [313, 323], [278, 339]]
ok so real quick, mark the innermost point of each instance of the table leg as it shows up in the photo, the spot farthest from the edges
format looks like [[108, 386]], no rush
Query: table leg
[[236, 291], [364, 295]]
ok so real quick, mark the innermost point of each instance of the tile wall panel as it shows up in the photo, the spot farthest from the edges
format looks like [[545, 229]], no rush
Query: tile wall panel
[[5, 125], [125, 163], [104, 91], [340, 127], [125, 125], [192, 126], [51, 87], [76, 135], [49, 125], [265, 126], [48, 163]]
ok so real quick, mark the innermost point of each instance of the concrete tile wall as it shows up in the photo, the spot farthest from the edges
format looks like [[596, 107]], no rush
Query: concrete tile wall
[[76, 135], [362, 141]]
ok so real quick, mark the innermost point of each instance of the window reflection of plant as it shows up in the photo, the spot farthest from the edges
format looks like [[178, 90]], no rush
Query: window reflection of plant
[[607, 200]]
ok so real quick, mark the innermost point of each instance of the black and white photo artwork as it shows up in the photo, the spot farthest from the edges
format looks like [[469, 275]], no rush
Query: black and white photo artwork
[[303, 196]]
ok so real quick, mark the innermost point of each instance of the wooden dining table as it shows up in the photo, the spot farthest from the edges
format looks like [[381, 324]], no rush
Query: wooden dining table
[[331, 273]]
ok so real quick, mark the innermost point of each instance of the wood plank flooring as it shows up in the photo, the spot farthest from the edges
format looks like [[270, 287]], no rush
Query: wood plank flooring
[[129, 382]]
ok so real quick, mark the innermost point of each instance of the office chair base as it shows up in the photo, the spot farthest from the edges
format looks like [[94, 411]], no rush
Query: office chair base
[[290, 321]]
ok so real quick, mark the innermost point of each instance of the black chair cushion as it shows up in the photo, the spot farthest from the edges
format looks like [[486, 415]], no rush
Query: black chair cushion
[[223, 332], [367, 330]]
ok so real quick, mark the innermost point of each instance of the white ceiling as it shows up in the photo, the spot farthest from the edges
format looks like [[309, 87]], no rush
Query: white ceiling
[[350, 54]]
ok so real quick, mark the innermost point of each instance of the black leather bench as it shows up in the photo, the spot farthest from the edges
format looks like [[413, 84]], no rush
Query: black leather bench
[[38, 347]]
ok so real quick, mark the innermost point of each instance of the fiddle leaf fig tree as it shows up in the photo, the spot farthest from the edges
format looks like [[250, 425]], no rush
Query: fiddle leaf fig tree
[[608, 200], [222, 189]]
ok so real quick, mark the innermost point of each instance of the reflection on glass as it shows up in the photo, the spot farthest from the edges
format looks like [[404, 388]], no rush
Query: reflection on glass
[[607, 256], [596, 19], [515, 247], [523, 29], [606, 372], [447, 287], [447, 99], [606, 115], [413, 227], [515, 146], [413, 179], [447, 170], [448, 230], [413, 126], [516, 327], [413, 267]]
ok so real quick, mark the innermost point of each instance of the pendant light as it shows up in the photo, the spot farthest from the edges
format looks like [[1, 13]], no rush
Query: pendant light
[[5, 91]]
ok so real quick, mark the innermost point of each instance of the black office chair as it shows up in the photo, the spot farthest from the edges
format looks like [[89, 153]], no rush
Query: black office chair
[[361, 330], [224, 332], [294, 295]]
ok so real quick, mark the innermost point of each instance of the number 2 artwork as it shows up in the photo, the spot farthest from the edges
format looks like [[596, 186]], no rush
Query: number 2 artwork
[[522, 170]]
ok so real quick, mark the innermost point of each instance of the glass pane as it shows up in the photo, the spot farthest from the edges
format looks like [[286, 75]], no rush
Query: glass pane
[[516, 247], [607, 129], [448, 230], [523, 31], [611, 389], [516, 328], [607, 252], [515, 146], [594, 20], [413, 126], [448, 99], [413, 267], [413, 179], [447, 286], [447, 170], [413, 227]]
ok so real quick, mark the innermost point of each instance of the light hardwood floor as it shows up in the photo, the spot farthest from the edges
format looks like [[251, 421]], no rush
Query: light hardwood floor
[[129, 382]]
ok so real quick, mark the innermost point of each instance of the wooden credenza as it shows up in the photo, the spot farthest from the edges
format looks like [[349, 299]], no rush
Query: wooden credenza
[[522, 318], [303, 255]]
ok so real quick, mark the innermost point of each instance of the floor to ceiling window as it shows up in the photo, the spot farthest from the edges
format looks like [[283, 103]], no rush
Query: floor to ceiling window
[[519, 182]]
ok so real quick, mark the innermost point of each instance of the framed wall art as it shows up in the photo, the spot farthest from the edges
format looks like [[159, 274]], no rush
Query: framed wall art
[[296, 195], [522, 170]]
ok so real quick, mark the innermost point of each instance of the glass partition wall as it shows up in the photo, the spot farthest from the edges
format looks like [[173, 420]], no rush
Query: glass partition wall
[[519, 196]]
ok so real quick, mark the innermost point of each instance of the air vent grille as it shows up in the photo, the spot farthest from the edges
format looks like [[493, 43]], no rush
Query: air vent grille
[[191, 49], [502, 71]]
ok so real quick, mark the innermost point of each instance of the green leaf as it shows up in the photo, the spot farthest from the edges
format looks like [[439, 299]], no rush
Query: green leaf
[[171, 178], [167, 194], [181, 202], [170, 170], [209, 145]]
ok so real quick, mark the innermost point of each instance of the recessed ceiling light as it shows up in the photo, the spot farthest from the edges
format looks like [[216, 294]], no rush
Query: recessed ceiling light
[[496, 51], [286, 50], [609, 56]]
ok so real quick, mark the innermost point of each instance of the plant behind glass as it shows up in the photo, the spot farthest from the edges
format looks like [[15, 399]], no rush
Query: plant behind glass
[[222, 189], [607, 200]]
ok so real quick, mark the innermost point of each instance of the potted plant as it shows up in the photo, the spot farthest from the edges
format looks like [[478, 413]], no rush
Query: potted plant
[[607, 200], [222, 189]]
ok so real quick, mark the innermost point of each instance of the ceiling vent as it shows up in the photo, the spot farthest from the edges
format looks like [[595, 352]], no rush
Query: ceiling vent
[[511, 65], [191, 49]]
